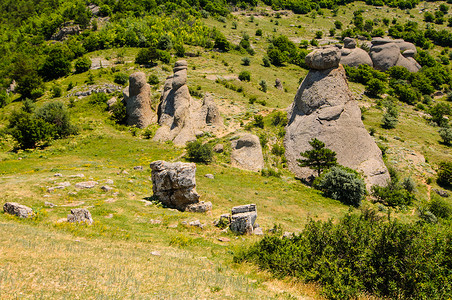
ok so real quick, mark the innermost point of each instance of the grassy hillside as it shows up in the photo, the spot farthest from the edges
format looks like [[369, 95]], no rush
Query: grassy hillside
[[136, 248]]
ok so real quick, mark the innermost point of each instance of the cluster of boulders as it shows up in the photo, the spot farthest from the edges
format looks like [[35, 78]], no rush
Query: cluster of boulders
[[65, 32], [77, 215], [180, 117], [105, 89], [383, 54], [324, 108]]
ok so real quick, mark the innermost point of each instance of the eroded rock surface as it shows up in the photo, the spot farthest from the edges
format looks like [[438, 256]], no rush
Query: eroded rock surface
[[243, 218], [137, 97], [323, 108], [386, 53], [180, 116], [322, 59], [79, 215], [174, 184], [14, 208], [247, 153]]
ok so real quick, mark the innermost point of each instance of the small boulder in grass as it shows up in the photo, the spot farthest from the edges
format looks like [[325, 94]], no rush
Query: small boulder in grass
[[79, 215], [17, 209]]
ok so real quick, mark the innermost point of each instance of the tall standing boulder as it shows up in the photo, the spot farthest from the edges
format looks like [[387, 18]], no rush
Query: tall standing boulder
[[247, 153], [324, 108], [137, 97], [179, 116]]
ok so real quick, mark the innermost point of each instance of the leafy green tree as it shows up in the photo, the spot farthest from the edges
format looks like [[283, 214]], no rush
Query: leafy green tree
[[147, 56], [342, 184], [446, 134], [121, 78], [245, 76], [221, 43], [82, 64], [445, 174], [199, 152], [56, 114], [319, 158], [57, 64], [438, 113]]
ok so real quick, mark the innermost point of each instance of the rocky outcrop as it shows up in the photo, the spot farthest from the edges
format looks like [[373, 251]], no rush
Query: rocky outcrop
[[386, 53], [278, 84], [323, 108], [181, 118], [80, 215], [247, 153], [64, 32], [137, 97], [174, 184], [355, 57], [17, 209], [323, 59], [200, 207], [243, 219]]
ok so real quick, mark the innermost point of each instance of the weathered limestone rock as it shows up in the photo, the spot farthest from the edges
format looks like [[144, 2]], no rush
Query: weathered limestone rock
[[278, 84], [247, 153], [79, 215], [200, 207], [64, 32], [137, 97], [355, 57], [385, 53], [323, 108], [86, 184], [174, 184], [218, 148], [14, 208], [243, 218], [181, 117], [322, 59], [349, 43]]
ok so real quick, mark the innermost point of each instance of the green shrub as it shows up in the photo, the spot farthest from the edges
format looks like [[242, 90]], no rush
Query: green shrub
[[279, 118], [318, 34], [121, 78], [259, 32], [56, 91], [119, 113], [199, 152], [392, 195], [99, 99], [259, 121], [245, 76], [375, 87], [82, 64], [153, 79], [147, 56], [278, 150], [445, 174], [342, 184], [4, 98], [246, 61], [438, 113], [271, 173], [266, 61], [439, 207], [446, 134], [55, 113], [362, 254], [263, 86], [165, 43]]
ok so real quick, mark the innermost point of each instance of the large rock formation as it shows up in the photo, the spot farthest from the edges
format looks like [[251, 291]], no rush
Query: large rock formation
[[174, 185], [353, 56], [247, 153], [386, 53], [137, 97], [323, 108], [181, 118]]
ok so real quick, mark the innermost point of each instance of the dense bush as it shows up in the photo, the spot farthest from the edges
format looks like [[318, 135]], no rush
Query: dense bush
[[121, 78], [446, 134], [32, 128], [389, 120], [439, 207], [118, 112], [445, 174], [439, 112], [199, 152], [342, 184], [82, 64], [153, 79], [4, 98], [279, 118], [362, 254], [375, 87], [245, 76], [147, 56], [393, 194]]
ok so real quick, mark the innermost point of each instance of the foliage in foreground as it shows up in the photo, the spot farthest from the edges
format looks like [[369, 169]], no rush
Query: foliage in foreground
[[363, 253], [342, 184]]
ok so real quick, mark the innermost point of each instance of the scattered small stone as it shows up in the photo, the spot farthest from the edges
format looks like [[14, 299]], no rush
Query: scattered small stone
[[79, 215], [77, 176], [109, 216], [46, 196], [123, 172], [196, 223], [19, 158], [442, 193], [130, 181], [106, 188], [109, 181], [172, 226], [58, 175], [138, 168], [115, 193], [62, 220], [288, 234], [110, 200], [64, 184], [73, 193], [200, 207], [258, 231], [86, 184], [155, 253], [184, 222], [152, 221], [210, 176], [49, 204], [17, 209], [224, 239], [218, 148]]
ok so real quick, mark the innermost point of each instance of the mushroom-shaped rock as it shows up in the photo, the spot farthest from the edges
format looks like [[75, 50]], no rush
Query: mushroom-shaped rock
[[247, 153], [323, 108], [322, 59], [137, 97]]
